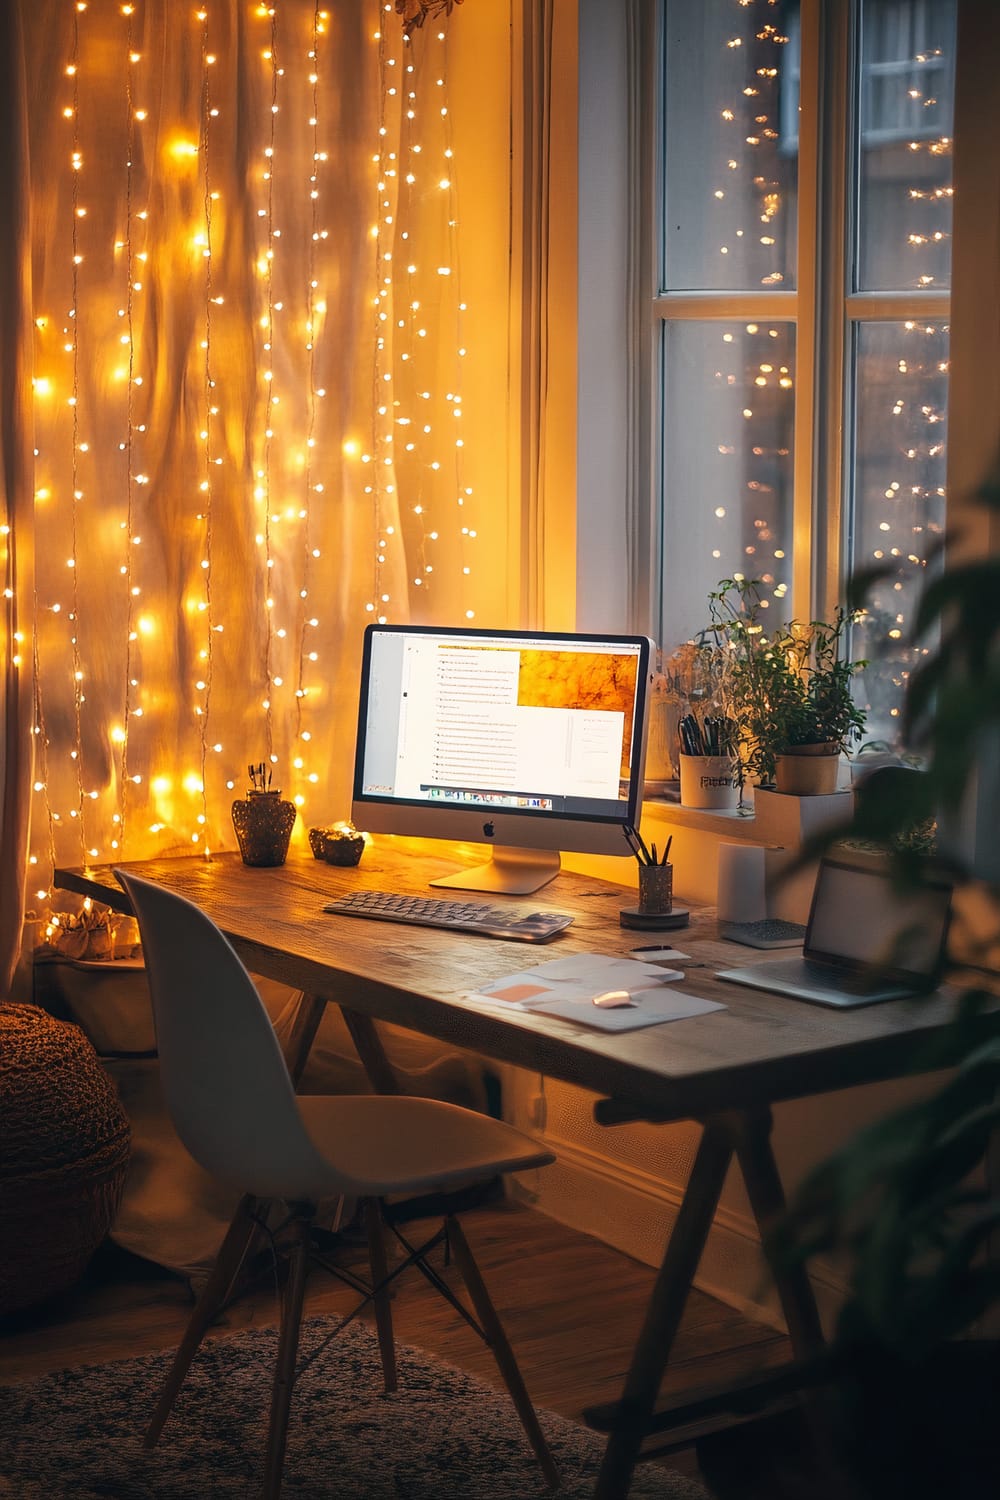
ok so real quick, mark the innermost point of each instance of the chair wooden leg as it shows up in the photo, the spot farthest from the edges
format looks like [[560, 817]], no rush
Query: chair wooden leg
[[288, 1347], [502, 1352], [379, 1262], [221, 1277]]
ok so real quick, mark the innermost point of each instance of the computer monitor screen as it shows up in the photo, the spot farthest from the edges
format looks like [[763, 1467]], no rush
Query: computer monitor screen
[[529, 741]]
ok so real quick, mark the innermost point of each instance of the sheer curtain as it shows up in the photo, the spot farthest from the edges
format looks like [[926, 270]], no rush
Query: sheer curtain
[[249, 343], [15, 483]]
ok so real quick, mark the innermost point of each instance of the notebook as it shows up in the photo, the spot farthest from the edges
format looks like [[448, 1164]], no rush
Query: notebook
[[866, 940]]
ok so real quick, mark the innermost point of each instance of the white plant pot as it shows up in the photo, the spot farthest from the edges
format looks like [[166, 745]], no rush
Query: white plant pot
[[709, 781]]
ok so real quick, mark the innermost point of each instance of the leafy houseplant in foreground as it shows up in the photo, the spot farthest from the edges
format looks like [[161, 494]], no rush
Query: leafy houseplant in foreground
[[910, 1200], [791, 688]]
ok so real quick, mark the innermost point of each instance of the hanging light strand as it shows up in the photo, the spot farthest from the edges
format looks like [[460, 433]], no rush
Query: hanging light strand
[[381, 375], [203, 684], [41, 759], [408, 339], [77, 494], [123, 781], [463, 491], [313, 311], [272, 235]]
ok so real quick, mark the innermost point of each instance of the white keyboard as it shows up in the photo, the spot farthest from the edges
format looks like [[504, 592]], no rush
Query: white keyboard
[[459, 916]]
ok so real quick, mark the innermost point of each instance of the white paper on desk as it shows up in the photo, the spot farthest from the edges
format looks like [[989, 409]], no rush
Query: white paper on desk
[[566, 987]]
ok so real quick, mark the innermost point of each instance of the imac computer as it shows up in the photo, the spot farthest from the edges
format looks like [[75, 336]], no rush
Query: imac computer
[[528, 741]]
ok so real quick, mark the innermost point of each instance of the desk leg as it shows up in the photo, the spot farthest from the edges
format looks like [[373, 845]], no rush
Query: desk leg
[[363, 1032], [767, 1199], [305, 1024], [368, 1045], [666, 1306]]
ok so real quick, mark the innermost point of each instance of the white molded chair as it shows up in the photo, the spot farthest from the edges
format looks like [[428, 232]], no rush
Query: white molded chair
[[229, 1094]]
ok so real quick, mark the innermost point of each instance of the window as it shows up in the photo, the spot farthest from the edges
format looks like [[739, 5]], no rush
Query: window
[[803, 210]]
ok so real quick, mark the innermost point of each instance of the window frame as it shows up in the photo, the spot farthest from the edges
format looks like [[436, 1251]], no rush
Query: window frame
[[617, 546], [823, 307]]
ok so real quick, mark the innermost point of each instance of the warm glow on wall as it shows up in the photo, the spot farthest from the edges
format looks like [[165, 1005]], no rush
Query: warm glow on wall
[[250, 343]]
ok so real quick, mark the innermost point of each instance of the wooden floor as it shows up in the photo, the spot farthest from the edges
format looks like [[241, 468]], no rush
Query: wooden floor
[[571, 1306]]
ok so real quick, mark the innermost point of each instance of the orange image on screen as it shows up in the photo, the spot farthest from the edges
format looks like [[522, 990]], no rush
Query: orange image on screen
[[569, 679]]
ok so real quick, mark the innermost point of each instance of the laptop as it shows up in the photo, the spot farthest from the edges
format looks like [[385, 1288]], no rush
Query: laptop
[[866, 940]]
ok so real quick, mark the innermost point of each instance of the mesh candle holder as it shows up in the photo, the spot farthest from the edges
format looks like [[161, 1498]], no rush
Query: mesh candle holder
[[341, 844], [263, 825]]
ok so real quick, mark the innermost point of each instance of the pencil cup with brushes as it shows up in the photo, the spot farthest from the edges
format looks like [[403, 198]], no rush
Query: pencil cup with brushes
[[263, 822]]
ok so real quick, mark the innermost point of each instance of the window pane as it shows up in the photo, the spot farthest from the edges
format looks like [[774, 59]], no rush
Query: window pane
[[906, 104], [730, 144], [899, 500], [727, 463]]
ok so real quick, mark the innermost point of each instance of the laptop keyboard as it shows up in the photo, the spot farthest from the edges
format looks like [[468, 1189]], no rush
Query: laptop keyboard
[[459, 916]]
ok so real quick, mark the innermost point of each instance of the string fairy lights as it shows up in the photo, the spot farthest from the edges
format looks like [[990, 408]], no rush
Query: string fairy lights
[[753, 195], [217, 486], [266, 266], [900, 366], [315, 309], [79, 446], [415, 439], [119, 734], [381, 488], [204, 665]]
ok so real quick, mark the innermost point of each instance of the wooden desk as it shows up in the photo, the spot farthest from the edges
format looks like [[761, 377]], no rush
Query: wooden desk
[[725, 1069]]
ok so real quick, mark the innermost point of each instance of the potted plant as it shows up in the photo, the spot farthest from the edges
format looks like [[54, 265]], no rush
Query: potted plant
[[790, 690], [910, 1378]]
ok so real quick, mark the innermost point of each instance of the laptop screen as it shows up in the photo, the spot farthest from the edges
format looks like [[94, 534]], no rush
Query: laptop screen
[[861, 918]]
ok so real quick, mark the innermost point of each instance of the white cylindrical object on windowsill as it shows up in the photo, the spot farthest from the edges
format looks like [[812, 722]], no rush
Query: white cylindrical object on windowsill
[[741, 888]]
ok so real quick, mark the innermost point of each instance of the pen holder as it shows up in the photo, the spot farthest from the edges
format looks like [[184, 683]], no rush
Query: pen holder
[[656, 889], [263, 825]]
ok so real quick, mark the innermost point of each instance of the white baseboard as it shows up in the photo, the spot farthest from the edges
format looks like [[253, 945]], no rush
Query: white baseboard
[[635, 1211]]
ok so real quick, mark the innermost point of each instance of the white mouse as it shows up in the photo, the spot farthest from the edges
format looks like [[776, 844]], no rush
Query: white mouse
[[613, 999]]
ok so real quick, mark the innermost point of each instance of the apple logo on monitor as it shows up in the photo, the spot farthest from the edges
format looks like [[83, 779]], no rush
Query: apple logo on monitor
[[489, 829]]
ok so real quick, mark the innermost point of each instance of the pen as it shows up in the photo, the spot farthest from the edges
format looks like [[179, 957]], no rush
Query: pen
[[666, 852], [645, 852], [631, 841], [635, 842]]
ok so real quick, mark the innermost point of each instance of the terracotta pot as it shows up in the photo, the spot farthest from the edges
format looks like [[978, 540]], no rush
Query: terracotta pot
[[807, 770]]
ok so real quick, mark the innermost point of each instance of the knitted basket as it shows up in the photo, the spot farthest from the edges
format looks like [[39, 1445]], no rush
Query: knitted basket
[[64, 1146]]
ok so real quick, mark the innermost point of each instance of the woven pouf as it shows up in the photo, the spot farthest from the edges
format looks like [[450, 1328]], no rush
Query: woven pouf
[[64, 1144]]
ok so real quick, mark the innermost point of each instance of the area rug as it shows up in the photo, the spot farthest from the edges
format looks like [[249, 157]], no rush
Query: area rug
[[75, 1435]]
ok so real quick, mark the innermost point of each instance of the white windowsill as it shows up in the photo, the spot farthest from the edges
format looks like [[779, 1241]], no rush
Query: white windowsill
[[728, 824]]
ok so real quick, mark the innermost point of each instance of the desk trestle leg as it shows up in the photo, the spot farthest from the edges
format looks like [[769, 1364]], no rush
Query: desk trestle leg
[[767, 1199], [666, 1307], [747, 1134]]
